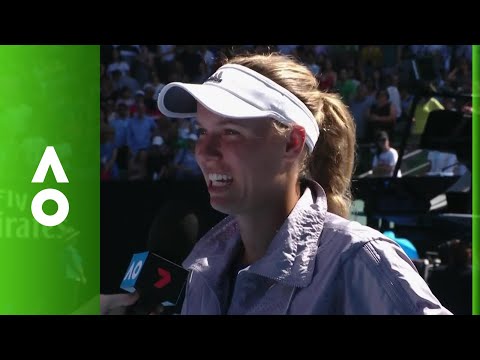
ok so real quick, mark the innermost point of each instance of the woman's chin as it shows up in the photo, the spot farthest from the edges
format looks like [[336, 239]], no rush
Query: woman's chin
[[222, 206]]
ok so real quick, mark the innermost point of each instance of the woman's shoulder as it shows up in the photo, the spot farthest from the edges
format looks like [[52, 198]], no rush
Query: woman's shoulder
[[346, 239], [379, 278], [350, 231], [377, 275]]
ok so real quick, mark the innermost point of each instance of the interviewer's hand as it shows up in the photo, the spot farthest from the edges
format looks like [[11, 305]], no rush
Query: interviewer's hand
[[159, 309], [114, 301]]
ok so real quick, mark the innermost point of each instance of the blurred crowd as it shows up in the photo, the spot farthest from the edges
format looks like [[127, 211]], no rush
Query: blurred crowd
[[376, 81]]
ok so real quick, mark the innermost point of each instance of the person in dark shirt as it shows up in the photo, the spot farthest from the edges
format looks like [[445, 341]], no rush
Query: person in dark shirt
[[381, 115]]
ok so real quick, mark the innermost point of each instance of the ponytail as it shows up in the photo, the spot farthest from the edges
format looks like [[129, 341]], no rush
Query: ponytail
[[331, 163]]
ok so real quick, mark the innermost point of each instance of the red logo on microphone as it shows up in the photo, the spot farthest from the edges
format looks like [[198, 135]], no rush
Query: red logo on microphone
[[164, 278]]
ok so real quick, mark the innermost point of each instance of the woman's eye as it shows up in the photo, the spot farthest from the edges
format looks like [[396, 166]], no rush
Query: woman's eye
[[231, 132], [201, 131]]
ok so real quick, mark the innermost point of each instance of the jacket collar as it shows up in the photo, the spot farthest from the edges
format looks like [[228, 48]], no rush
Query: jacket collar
[[290, 258]]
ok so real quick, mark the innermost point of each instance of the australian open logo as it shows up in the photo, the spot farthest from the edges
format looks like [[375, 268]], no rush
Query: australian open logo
[[217, 77]]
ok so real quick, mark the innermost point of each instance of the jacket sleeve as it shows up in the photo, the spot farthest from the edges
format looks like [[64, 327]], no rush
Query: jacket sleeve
[[379, 278]]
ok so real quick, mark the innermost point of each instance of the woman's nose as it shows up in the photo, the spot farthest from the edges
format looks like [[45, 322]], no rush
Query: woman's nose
[[208, 147]]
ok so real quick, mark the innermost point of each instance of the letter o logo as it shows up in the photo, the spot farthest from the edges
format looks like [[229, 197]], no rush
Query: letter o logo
[[62, 211], [136, 269]]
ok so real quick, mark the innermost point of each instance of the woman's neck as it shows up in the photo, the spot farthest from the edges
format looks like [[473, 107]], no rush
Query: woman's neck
[[258, 228]]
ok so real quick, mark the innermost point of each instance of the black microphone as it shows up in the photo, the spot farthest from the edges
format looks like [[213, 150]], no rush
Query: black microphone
[[156, 274], [157, 280]]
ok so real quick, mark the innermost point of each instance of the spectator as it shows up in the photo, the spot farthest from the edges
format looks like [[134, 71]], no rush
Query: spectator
[[186, 166], [208, 59], [128, 52], [142, 66], [126, 98], [370, 58], [118, 64], [193, 63], [442, 163], [359, 106], [460, 78], [120, 125], [139, 137], [423, 109], [328, 77], [346, 86], [125, 81], [108, 154], [406, 98], [106, 84], [394, 94], [385, 158], [158, 156], [377, 77], [151, 101], [166, 53], [311, 63], [139, 98], [382, 114]]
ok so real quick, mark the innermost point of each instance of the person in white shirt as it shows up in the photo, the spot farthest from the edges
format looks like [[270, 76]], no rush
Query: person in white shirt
[[386, 157]]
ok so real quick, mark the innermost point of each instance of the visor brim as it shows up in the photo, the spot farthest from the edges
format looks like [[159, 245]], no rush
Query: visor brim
[[179, 100]]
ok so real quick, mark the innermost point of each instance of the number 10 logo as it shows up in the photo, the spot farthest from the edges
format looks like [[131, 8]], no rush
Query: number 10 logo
[[50, 159]]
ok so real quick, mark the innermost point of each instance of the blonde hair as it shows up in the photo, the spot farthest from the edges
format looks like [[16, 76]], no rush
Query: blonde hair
[[331, 163]]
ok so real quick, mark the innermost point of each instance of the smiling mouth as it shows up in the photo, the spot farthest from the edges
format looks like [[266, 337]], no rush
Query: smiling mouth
[[219, 180], [219, 183]]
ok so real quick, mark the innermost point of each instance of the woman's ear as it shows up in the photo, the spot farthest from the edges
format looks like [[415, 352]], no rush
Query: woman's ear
[[295, 142]]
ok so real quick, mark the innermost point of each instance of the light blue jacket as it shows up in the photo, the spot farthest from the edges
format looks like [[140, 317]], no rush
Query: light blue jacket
[[317, 263]]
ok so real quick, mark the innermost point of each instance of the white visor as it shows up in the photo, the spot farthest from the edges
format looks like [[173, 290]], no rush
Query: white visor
[[237, 92]]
